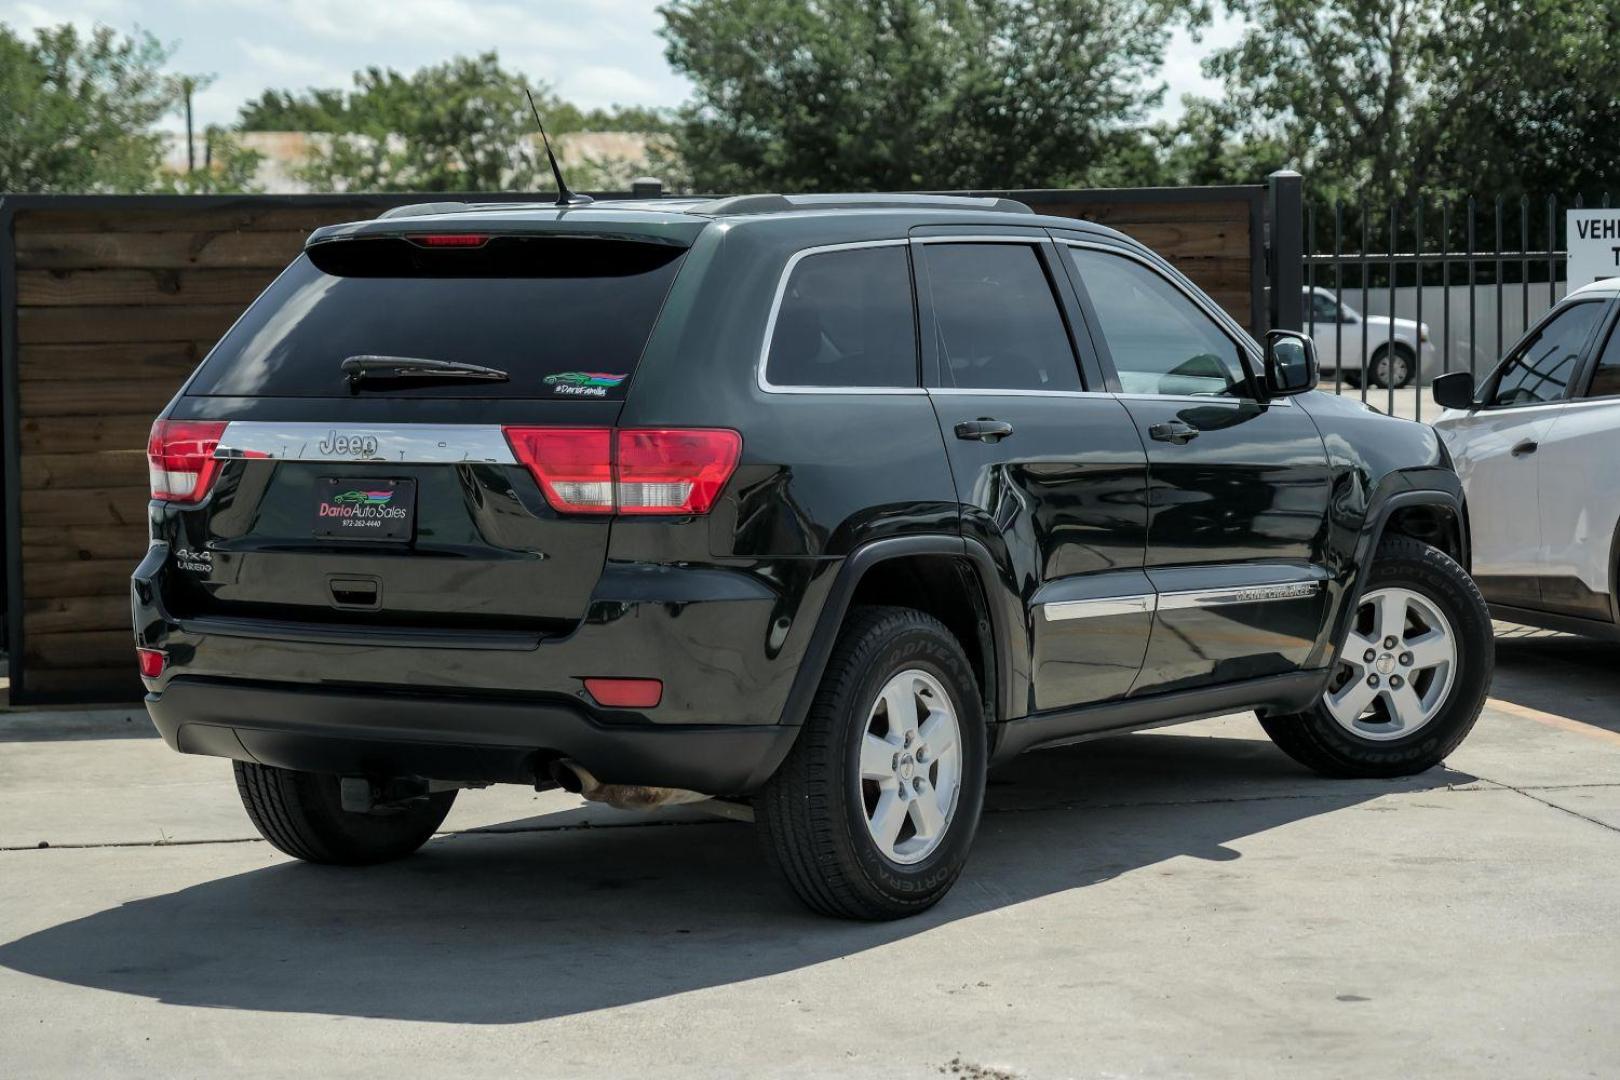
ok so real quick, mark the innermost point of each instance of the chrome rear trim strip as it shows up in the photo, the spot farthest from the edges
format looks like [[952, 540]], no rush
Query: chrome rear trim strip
[[410, 444]]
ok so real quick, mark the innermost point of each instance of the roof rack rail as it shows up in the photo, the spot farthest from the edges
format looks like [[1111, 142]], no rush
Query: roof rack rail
[[777, 204], [423, 209]]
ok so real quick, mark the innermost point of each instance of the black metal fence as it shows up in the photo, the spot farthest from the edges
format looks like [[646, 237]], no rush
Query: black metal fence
[[1399, 293]]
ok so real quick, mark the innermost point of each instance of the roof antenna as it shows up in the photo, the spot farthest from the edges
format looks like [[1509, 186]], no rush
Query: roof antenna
[[564, 196]]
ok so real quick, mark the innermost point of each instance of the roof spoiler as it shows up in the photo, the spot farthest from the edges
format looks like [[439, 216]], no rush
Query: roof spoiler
[[422, 209]]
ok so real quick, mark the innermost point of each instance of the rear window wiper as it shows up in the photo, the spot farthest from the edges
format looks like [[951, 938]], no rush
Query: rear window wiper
[[358, 368]]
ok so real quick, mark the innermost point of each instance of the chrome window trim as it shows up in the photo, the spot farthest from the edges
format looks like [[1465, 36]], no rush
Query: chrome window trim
[[1144, 603], [764, 383], [1033, 238], [406, 444], [1208, 399], [968, 391]]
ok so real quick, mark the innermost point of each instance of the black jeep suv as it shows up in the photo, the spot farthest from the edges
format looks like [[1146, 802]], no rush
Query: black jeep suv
[[816, 505]]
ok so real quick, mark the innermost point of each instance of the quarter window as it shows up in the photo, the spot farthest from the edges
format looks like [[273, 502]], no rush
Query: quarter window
[[1160, 341], [1540, 369], [846, 319], [998, 325]]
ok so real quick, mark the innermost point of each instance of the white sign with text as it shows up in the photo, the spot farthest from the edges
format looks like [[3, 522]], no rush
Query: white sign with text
[[1593, 237]]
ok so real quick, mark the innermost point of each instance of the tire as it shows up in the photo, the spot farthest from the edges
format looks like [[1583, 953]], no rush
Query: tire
[[1352, 379], [301, 814], [816, 814], [1432, 590], [1404, 365]]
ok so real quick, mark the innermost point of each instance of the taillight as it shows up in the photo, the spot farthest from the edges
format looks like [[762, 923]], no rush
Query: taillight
[[574, 466], [634, 471], [151, 661], [180, 458], [678, 471]]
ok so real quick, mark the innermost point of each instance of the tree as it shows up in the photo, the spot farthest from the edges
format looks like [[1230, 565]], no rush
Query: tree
[[805, 95], [81, 109], [1333, 85], [1526, 98], [1378, 98], [226, 166], [464, 125]]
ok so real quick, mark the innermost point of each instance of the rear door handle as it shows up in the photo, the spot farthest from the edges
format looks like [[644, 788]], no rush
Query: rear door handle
[[1173, 431], [984, 429], [1525, 448]]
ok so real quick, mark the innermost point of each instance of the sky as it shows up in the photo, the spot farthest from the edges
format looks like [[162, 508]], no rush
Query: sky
[[593, 52]]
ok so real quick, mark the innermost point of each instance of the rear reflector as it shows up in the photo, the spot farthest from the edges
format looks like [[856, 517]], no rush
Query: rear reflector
[[634, 471], [626, 693], [180, 458], [151, 661]]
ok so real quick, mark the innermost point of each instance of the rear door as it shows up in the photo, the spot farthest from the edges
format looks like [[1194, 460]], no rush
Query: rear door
[[397, 501], [1050, 471], [1237, 487], [1497, 451]]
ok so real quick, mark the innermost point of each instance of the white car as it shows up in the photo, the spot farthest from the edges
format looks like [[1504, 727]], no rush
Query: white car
[[1538, 451], [1364, 342]]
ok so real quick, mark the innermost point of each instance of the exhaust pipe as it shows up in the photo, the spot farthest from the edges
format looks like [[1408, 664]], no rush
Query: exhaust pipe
[[572, 776]]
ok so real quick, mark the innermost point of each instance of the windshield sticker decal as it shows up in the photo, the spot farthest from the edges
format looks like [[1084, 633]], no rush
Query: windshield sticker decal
[[583, 383]]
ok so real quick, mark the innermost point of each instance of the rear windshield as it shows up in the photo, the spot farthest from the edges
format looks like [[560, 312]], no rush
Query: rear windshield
[[563, 317]]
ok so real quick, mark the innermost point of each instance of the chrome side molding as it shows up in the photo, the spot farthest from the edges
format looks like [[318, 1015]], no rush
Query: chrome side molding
[[1238, 594], [1106, 606], [1099, 608]]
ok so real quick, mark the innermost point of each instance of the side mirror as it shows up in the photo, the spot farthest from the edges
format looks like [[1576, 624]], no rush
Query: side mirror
[[1454, 390], [1290, 363]]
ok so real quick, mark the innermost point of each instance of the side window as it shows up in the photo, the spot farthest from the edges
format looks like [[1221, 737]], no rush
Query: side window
[[999, 327], [1321, 308], [1160, 341], [846, 319], [1540, 369], [1606, 376]]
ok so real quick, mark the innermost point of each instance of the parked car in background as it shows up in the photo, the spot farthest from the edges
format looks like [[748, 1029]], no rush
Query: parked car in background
[[1538, 450], [1351, 343], [817, 506]]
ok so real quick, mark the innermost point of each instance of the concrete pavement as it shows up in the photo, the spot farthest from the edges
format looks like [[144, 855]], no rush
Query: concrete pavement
[[1183, 902]]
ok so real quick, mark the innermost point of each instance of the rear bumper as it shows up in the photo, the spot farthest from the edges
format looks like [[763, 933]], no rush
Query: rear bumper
[[356, 732]]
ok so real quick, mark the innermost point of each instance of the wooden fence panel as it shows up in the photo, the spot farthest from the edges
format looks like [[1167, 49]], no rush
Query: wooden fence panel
[[114, 309]]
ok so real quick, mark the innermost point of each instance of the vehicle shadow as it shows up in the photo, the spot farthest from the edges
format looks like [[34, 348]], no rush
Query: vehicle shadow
[[516, 926], [1570, 676]]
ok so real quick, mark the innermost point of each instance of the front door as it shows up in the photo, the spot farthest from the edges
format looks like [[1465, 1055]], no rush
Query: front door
[[1578, 492], [1052, 477], [1237, 487], [1497, 452]]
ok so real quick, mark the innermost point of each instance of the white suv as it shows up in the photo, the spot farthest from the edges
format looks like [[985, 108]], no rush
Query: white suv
[[1364, 342], [1537, 448]]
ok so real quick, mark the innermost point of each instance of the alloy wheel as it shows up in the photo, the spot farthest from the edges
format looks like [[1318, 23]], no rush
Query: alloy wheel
[[911, 766], [1396, 666]]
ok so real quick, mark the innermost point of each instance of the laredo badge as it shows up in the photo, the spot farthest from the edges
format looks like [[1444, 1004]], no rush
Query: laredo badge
[[583, 383]]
